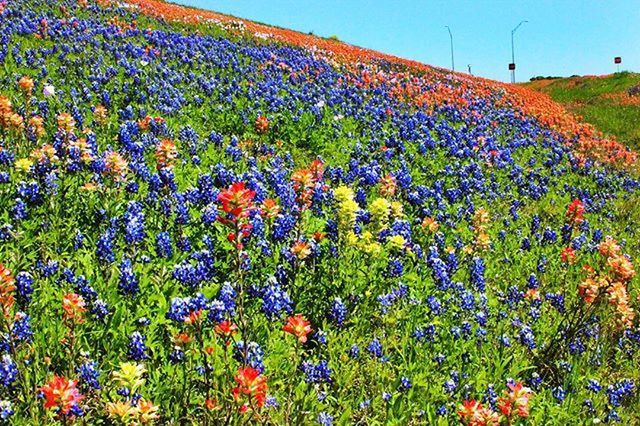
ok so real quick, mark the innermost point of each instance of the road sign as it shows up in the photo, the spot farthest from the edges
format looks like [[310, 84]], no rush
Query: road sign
[[617, 60], [512, 66]]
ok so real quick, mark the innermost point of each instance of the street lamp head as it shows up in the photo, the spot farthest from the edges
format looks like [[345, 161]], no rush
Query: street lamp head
[[518, 26]]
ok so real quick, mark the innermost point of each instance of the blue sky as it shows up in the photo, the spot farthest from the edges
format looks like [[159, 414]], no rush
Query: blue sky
[[562, 37]]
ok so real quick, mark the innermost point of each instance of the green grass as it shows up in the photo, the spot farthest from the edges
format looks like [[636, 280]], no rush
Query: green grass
[[594, 98]]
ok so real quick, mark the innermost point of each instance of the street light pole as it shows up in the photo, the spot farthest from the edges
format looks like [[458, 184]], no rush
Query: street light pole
[[513, 55], [453, 67]]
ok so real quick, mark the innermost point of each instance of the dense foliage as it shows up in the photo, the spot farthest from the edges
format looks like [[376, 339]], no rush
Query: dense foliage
[[205, 224]]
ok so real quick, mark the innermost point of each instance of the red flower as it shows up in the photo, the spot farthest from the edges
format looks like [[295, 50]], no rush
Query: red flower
[[73, 306], [298, 326], [516, 400], [472, 413], [262, 124], [388, 186], [305, 180], [568, 255], [301, 250], [270, 208], [237, 199], [7, 289], [251, 383], [225, 329], [61, 393], [575, 212], [166, 154]]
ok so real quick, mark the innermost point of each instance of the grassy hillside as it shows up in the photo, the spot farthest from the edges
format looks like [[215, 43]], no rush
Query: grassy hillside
[[208, 221], [600, 100]]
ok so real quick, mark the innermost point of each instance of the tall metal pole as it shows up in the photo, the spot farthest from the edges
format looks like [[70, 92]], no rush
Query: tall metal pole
[[513, 55], [469, 68], [453, 67]]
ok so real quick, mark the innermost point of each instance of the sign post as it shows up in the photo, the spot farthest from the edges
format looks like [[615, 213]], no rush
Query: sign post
[[617, 60]]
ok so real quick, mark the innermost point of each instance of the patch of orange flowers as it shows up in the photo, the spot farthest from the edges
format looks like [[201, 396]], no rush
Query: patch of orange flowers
[[611, 284]]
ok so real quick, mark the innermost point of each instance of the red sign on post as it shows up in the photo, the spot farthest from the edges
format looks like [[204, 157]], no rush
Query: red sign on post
[[512, 67], [617, 60]]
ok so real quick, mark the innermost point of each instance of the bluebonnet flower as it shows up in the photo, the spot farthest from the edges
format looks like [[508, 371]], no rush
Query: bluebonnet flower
[[78, 241], [8, 371], [594, 386], [19, 210], [532, 282], [275, 300], [137, 347], [388, 299], [338, 312], [320, 336], [477, 273], [254, 355], [24, 288], [491, 397], [405, 384], [271, 402], [452, 262], [21, 329], [89, 374], [426, 333], [618, 392], [181, 309], [6, 409], [449, 386], [435, 306], [104, 246], [440, 274], [527, 337], [176, 356], [134, 223], [375, 348], [504, 340], [556, 300], [100, 309], [227, 296], [559, 393], [354, 351], [128, 284], [316, 373], [163, 245], [395, 268]]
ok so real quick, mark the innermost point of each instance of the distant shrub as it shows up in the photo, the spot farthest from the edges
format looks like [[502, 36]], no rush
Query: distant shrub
[[541, 77], [634, 90]]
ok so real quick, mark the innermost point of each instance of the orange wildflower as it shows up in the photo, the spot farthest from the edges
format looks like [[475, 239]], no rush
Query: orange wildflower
[[73, 307], [298, 326], [61, 393], [250, 383]]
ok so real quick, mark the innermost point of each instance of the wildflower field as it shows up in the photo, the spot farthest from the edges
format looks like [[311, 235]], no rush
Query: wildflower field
[[209, 221]]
